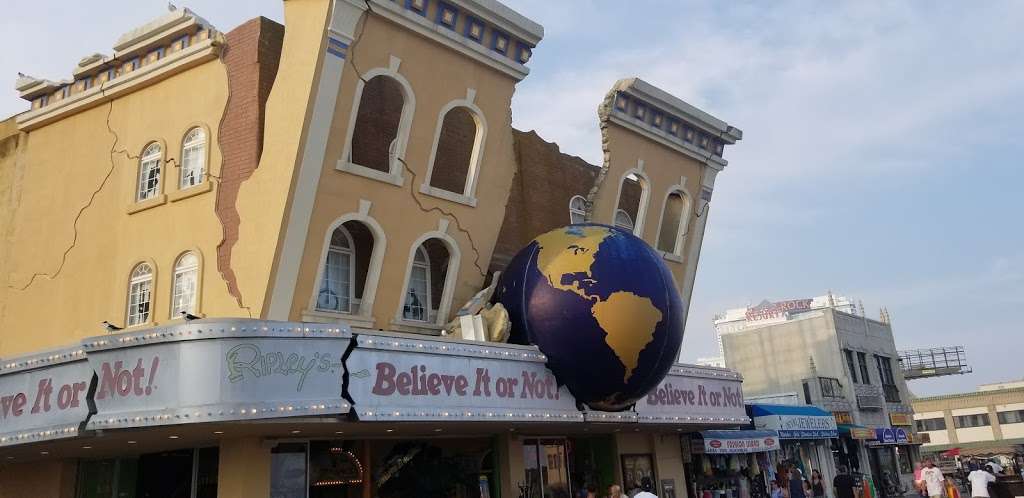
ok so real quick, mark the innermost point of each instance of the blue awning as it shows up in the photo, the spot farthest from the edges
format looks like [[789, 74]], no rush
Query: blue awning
[[724, 442], [794, 421]]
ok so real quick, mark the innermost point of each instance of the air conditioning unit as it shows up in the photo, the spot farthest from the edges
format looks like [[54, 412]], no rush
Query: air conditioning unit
[[869, 401]]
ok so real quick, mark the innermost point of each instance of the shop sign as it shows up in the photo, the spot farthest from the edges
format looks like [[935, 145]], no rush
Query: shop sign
[[219, 371], [43, 396], [799, 426], [903, 419], [695, 394], [891, 435], [768, 310], [843, 417], [398, 378], [733, 445], [862, 433]]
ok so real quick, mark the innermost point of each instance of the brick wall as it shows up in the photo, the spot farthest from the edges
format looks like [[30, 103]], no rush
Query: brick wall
[[544, 182], [454, 151], [251, 55], [380, 111]]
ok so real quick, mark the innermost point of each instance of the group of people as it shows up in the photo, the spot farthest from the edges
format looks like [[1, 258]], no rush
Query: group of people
[[790, 483], [644, 489], [931, 483]]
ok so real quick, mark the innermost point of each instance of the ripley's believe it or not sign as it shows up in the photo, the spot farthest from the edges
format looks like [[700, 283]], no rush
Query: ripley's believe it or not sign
[[227, 370]]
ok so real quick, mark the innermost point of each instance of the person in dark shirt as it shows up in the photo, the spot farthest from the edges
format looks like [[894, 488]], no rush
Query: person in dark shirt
[[844, 484], [796, 483]]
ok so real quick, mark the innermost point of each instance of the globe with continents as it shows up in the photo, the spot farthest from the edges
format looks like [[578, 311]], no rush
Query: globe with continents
[[601, 305]]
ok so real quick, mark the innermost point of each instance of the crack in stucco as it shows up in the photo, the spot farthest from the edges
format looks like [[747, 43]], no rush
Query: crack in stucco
[[603, 112]]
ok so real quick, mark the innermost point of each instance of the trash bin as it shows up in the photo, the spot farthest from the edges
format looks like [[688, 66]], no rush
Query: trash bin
[[1008, 487]]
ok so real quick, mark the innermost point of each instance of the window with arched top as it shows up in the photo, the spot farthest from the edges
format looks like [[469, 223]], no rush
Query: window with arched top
[[623, 220], [633, 194], [193, 158], [140, 295], [577, 209], [674, 218], [377, 124], [185, 285], [427, 279], [347, 282], [149, 172], [455, 154]]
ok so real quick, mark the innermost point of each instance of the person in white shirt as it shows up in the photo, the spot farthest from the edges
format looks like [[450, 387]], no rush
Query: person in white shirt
[[646, 486], [933, 479], [979, 483], [998, 469]]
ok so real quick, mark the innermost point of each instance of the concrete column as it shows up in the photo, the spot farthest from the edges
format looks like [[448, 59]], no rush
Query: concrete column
[[511, 467], [993, 418], [244, 468], [668, 462], [950, 427], [49, 479]]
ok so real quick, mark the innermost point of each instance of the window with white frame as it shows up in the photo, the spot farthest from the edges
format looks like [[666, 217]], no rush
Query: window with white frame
[[673, 223], [417, 296], [140, 294], [149, 172], [427, 280], [632, 200], [377, 122], [193, 158], [577, 209], [456, 144], [623, 220], [186, 285], [336, 281]]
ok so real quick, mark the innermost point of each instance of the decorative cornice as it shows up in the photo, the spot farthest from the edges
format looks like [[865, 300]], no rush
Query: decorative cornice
[[145, 76]]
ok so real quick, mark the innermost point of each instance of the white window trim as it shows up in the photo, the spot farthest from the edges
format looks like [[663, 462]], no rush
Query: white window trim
[[468, 194], [380, 242], [454, 260], [645, 195], [351, 251], [145, 157], [582, 211], [204, 142], [199, 281], [684, 223], [396, 174], [131, 280]]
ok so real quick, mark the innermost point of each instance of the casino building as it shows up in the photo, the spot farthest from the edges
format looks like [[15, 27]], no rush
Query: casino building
[[277, 222]]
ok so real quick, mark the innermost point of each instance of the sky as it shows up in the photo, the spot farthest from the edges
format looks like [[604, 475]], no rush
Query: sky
[[881, 156]]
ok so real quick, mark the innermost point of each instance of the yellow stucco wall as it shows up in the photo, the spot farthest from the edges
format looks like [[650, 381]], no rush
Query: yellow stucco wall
[[61, 167], [437, 75], [45, 479], [663, 166], [243, 468], [264, 198]]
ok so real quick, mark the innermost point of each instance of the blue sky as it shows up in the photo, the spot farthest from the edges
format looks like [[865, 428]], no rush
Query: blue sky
[[881, 159]]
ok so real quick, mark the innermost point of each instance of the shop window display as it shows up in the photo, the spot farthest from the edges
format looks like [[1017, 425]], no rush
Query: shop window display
[[169, 474], [731, 476]]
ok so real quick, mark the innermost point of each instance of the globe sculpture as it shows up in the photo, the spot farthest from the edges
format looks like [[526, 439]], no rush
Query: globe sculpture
[[601, 305]]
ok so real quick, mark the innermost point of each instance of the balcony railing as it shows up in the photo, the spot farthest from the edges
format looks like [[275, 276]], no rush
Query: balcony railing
[[830, 387], [892, 393]]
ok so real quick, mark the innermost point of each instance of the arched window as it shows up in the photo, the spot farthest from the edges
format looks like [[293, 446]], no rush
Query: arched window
[[185, 287], [140, 294], [346, 266], [149, 172], [623, 220], [378, 118], [577, 209], [455, 154], [674, 220], [426, 282], [633, 194], [193, 158]]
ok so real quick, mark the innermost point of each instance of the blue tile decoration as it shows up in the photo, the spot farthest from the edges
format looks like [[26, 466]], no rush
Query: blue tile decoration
[[657, 119], [676, 127], [621, 102], [640, 110], [474, 29], [523, 53], [337, 47], [499, 42], [417, 6], [447, 15]]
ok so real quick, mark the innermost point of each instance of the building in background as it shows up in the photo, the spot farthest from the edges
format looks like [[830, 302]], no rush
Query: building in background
[[844, 363], [987, 422], [769, 313], [282, 220]]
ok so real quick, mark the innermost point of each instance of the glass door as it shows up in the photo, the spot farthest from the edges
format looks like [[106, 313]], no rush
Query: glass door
[[547, 469]]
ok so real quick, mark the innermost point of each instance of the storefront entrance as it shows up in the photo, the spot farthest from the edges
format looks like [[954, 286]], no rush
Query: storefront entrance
[[187, 473], [885, 474]]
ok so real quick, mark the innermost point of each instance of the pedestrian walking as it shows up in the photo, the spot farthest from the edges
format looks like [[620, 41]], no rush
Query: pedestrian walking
[[796, 483], [844, 484], [817, 485], [933, 479], [979, 483], [646, 489]]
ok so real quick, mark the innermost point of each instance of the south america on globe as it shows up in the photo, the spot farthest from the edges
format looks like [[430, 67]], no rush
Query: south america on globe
[[601, 305]]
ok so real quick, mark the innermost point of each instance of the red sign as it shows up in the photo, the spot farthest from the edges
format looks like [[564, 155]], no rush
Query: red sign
[[775, 310], [714, 443], [769, 442]]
